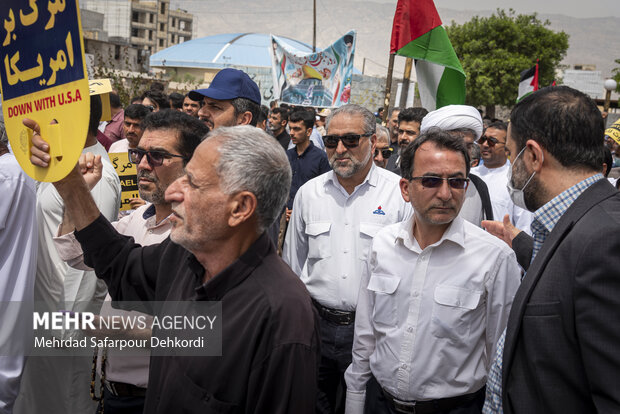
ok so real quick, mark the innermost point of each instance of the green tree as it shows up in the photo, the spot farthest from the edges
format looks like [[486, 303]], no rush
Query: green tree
[[494, 50], [616, 75]]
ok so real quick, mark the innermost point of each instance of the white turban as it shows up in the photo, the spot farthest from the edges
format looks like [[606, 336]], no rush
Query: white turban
[[453, 117]]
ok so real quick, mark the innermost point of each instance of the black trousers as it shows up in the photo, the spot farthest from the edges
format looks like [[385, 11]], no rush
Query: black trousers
[[120, 405], [336, 345], [376, 403]]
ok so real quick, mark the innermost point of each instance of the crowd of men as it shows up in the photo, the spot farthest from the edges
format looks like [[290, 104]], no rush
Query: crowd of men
[[442, 263]]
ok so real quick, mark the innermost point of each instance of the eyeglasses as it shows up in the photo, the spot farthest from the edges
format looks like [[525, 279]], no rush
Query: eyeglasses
[[348, 140], [154, 158], [385, 152], [491, 142], [434, 182]]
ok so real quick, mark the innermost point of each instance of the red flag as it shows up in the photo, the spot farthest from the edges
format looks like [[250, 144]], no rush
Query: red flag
[[535, 80], [412, 19]]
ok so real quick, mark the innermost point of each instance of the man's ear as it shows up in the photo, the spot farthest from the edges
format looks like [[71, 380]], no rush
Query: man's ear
[[242, 208], [404, 189], [244, 118], [536, 154]]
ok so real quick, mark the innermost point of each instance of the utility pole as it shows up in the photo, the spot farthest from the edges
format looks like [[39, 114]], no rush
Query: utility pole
[[314, 27], [388, 88]]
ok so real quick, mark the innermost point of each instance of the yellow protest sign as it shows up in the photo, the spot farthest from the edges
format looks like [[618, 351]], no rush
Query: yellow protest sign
[[129, 181], [43, 77], [613, 131], [103, 88]]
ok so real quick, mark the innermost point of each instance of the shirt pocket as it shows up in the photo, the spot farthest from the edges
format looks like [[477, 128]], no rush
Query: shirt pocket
[[319, 246], [367, 233], [383, 287], [454, 311]]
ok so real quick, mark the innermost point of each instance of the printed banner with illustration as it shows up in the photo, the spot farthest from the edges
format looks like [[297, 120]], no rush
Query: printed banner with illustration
[[321, 79], [43, 77], [126, 171]]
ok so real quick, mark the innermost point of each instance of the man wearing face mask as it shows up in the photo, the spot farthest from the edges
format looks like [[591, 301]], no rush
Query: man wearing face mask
[[558, 354], [494, 172]]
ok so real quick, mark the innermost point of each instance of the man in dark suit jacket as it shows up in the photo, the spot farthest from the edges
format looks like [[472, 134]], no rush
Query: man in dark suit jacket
[[563, 339]]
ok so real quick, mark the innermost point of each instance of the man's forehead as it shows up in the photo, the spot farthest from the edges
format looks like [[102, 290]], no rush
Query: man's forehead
[[132, 120], [346, 121], [430, 151], [161, 137]]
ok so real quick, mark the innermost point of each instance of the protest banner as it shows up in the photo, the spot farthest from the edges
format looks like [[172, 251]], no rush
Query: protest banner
[[43, 77], [321, 79], [127, 173]]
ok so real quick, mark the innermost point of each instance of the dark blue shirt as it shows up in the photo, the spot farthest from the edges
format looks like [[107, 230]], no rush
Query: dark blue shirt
[[312, 163]]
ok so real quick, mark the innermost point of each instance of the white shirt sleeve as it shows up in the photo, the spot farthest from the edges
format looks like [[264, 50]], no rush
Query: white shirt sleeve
[[295, 249], [358, 373], [501, 289]]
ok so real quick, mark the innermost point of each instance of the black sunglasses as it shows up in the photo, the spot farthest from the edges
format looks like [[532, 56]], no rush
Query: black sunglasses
[[434, 182], [154, 158], [385, 152], [348, 140], [491, 142]]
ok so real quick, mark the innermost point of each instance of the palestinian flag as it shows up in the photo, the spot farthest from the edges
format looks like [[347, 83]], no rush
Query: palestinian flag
[[529, 82], [417, 33]]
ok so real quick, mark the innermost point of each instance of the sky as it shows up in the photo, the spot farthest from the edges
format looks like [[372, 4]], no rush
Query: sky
[[574, 8]]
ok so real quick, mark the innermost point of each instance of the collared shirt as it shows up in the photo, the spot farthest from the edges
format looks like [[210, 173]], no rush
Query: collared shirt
[[18, 260], [428, 320], [545, 219], [143, 227], [311, 163], [496, 180], [330, 232], [270, 332], [114, 128]]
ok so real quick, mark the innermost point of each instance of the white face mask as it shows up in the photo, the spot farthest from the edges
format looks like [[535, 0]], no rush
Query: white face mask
[[516, 195]]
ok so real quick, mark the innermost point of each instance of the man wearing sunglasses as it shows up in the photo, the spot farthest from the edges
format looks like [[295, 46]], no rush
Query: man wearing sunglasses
[[494, 170], [435, 295], [334, 218], [383, 151]]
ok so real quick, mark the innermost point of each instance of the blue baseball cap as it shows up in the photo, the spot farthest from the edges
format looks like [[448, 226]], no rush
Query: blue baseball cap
[[229, 84]]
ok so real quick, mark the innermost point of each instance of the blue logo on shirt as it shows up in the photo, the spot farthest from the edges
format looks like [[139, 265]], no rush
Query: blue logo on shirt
[[379, 211]]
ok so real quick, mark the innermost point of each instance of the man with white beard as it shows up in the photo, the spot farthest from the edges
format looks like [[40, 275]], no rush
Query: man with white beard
[[335, 216]]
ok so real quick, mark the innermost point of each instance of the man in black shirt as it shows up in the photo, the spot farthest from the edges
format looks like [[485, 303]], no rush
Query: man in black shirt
[[235, 185]]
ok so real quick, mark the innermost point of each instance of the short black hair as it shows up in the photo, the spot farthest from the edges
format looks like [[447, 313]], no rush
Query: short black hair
[[303, 115], [136, 111], [137, 99], [412, 115], [96, 110], [501, 125], [263, 114], [159, 98], [176, 100], [282, 111], [242, 105], [115, 101], [191, 131], [441, 139], [565, 122], [189, 95]]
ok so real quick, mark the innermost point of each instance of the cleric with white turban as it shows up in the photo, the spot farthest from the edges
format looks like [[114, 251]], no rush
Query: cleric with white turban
[[454, 117]]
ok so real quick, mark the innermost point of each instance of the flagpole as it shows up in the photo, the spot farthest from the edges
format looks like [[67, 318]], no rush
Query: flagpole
[[314, 27], [404, 93], [388, 88]]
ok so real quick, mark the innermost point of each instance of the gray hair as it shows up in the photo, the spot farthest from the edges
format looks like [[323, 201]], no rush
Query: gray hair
[[251, 160], [474, 152], [370, 122], [383, 134]]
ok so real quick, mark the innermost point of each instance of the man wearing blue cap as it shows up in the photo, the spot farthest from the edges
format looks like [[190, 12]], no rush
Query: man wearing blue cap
[[231, 99]]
